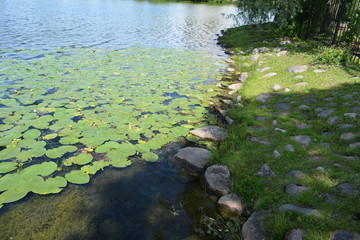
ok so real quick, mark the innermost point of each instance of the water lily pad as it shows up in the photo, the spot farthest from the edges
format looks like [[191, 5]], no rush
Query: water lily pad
[[13, 195], [31, 134], [81, 159], [150, 156], [77, 177], [9, 152], [51, 185], [6, 167]]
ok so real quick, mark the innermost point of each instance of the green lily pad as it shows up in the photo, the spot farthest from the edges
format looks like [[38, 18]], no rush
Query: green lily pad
[[31, 134], [150, 156], [51, 185], [9, 152], [6, 167], [77, 177], [13, 195], [81, 159]]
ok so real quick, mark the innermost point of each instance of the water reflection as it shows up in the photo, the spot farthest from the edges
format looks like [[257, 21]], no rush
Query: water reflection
[[110, 24]]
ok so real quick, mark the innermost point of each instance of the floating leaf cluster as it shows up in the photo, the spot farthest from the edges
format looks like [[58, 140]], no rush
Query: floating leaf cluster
[[84, 109]]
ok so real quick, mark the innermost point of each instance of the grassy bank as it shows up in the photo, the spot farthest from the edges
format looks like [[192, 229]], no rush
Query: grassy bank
[[321, 103]]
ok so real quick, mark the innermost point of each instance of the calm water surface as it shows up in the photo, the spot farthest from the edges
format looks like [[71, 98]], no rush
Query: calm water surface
[[145, 200]]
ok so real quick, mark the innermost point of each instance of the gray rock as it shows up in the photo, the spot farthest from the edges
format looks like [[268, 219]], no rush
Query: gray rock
[[238, 98], [253, 228], [354, 145], [235, 86], [298, 68], [355, 109], [209, 132], [343, 235], [346, 188], [243, 77], [229, 60], [210, 90], [310, 100], [246, 64], [275, 122], [303, 140], [193, 159], [301, 210], [282, 106], [218, 180], [296, 174], [257, 128], [277, 49], [326, 144], [332, 119], [255, 57], [328, 198], [290, 148], [263, 107], [302, 125], [320, 169], [295, 234], [226, 101], [348, 136], [346, 104], [331, 104], [352, 115], [294, 190], [326, 113], [348, 96], [319, 70], [276, 154], [301, 84], [265, 171], [263, 97], [282, 53], [338, 165], [319, 109], [230, 203], [269, 75], [285, 42], [299, 76], [345, 125], [280, 130], [315, 158], [352, 158], [277, 87], [261, 50], [287, 90], [256, 140], [230, 69], [304, 107], [328, 99], [264, 69], [261, 118], [229, 120]]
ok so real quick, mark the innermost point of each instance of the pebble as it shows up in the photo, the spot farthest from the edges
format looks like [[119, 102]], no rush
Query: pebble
[[300, 84], [261, 118], [255, 139], [326, 113], [276, 154], [345, 125], [348, 136], [281, 53], [287, 90], [269, 75], [277, 87], [294, 190], [320, 169], [303, 140], [282, 106], [319, 70], [263, 69], [298, 68], [301, 210], [332, 120], [280, 130], [302, 125], [304, 107], [354, 145], [299, 76], [265, 171], [352, 115], [296, 173]]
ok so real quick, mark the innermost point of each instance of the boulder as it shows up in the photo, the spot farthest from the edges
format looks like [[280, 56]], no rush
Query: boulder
[[218, 179], [209, 132], [193, 159]]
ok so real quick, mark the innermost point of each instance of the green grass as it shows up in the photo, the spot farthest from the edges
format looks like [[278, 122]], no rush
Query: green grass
[[244, 157]]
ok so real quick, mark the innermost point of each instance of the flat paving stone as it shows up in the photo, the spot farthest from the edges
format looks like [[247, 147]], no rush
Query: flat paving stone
[[298, 209], [263, 97], [301, 84], [319, 70], [333, 120], [297, 68], [348, 136], [354, 145], [264, 69], [277, 87], [320, 169], [261, 118], [256, 140], [347, 188], [295, 234], [352, 115], [355, 108], [352, 158], [309, 100], [299, 76], [282, 106], [290, 148], [235, 86], [303, 140], [302, 125], [269, 75], [343, 235], [209, 132], [326, 113], [296, 174], [257, 128], [304, 107], [293, 189], [345, 125]]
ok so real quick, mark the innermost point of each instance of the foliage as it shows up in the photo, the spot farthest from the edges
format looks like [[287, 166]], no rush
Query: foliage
[[332, 55], [354, 28]]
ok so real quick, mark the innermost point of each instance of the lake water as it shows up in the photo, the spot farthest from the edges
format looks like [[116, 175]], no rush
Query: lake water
[[112, 80]]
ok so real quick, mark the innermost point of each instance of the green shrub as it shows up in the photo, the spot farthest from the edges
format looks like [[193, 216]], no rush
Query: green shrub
[[332, 55]]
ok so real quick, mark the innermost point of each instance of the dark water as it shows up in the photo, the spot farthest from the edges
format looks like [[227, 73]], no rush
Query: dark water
[[145, 200]]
